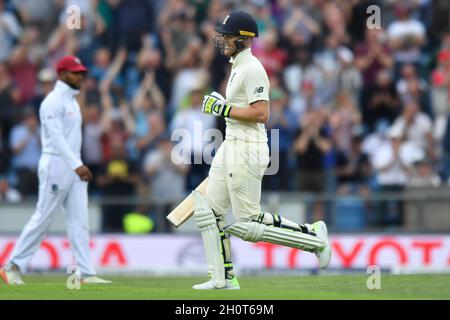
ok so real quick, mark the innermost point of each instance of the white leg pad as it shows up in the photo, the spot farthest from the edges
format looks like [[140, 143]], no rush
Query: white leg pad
[[254, 232], [206, 222]]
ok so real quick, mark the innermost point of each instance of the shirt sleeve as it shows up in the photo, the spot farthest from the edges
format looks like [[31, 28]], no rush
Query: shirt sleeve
[[398, 126], [256, 85], [52, 123], [381, 159], [427, 123]]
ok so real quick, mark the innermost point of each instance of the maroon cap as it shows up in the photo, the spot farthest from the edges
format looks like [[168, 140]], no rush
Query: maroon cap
[[70, 63]]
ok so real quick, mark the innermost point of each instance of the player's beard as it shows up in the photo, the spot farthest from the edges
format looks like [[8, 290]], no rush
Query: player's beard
[[72, 82], [74, 86]]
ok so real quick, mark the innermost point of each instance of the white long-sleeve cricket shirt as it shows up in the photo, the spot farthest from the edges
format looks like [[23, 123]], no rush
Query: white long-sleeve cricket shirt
[[61, 122]]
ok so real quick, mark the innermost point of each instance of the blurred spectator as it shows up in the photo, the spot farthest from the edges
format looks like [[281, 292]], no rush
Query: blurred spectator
[[445, 159], [7, 193], [381, 101], [311, 145], [283, 120], [440, 22], [26, 149], [10, 31], [147, 99], [440, 90], [423, 175], [196, 123], [118, 124], [409, 86], [309, 98], [33, 40], [374, 141], [116, 129], [150, 61], [189, 74], [345, 118], [431, 57], [93, 128], [353, 169], [4, 154], [349, 77], [328, 61], [302, 75], [299, 27], [9, 99], [118, 179], [167, 180], [40, 14], [326, 58], [406, 37], [272, 57], [24, 73], [335, 21], [102, 61], [393, 165], [156, 127], [47, 79], [372, 56], [178, 34], [261, 11], [416, 127]]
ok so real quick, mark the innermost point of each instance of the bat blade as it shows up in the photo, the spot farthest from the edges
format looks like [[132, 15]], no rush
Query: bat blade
[[185, 209]]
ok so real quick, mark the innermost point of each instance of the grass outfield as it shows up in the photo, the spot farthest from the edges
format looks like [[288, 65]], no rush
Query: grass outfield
[[252, 288]]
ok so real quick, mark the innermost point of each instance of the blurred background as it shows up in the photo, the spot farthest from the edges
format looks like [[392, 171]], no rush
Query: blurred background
[[379, 97]]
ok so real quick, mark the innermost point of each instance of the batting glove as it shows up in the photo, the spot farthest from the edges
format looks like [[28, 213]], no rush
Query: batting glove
[[215, 104]]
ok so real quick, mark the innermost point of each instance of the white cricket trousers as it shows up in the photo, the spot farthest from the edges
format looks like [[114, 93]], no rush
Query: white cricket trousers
[[59, 188], [235, 178]]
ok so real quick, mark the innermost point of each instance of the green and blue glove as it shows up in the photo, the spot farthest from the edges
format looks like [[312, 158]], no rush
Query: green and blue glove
[[216, 105]]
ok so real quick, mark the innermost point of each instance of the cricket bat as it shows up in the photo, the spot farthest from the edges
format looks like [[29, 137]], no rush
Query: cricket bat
[[185, 209]]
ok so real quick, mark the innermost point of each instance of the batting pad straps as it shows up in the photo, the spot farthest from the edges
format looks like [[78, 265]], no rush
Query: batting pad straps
[[206, 222], [254, 232]]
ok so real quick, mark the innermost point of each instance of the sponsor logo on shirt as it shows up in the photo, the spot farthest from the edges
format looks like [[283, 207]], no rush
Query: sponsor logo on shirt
[[54, 188], [259, 90], [232, 77]]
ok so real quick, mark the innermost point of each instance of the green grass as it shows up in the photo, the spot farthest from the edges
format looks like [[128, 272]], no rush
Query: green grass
[[252, 288]]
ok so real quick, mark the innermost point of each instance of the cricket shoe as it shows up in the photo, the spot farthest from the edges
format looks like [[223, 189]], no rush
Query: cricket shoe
[[324, 253], [95, 280], [11, 276], [230, 284]]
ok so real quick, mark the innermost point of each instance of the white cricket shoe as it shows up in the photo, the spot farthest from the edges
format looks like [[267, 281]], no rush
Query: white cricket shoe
[[323, 254], [11, 276], [95, 280], [232, 284]]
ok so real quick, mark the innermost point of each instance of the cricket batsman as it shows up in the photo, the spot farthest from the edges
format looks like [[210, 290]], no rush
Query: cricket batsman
[[238, 167], [63, 179]]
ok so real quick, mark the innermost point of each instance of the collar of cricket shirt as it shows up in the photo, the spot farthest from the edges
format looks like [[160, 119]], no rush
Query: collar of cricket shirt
[[65, 88], [240, 57]]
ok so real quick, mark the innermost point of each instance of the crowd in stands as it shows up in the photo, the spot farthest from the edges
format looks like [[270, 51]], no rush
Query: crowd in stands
[[359, 108]]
